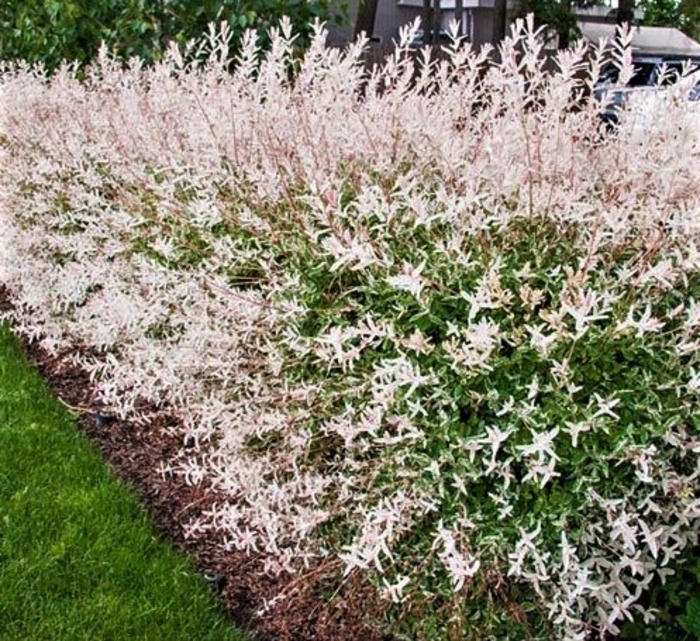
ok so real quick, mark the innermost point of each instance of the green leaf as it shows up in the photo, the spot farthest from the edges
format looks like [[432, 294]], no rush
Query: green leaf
[[691, 620]]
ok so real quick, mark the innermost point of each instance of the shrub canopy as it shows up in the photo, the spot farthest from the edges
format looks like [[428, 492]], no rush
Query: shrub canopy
[[427, 321]]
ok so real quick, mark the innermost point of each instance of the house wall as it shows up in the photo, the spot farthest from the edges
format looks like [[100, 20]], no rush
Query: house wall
[[393, 14], [391, 17], [481, 26], [340, 34]]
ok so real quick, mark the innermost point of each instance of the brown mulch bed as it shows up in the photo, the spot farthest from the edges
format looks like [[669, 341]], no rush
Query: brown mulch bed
[[320, 606]]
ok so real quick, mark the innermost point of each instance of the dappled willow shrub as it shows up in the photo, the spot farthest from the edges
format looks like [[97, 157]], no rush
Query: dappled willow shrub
[[426, 319]]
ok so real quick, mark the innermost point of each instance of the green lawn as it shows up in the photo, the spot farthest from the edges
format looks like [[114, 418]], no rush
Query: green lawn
[[78, 558]]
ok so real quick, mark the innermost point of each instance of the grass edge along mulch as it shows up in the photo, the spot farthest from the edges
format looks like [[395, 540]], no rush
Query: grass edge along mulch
[[79, 558], [246, 593]]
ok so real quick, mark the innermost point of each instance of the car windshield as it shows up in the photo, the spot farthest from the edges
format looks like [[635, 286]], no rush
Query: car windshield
[[643, 75], [649, 74]]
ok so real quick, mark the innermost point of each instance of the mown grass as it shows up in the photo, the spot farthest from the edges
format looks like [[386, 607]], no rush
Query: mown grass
[[78, 558]]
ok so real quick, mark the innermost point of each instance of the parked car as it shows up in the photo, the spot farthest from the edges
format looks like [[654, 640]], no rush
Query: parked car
[[648, 111], [651, 75]]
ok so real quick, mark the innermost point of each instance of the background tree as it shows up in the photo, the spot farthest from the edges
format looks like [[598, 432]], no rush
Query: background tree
[[625, 11], [663, 13], [683, 14], [459, 15], [54, 30], [499, 20], [426, 19], [557, 15], [366, 16], [691, 10], [430, 21], [436, 27]]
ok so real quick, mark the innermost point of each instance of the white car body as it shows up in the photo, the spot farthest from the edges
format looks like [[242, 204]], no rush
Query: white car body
[[653, 79], [654, 109]]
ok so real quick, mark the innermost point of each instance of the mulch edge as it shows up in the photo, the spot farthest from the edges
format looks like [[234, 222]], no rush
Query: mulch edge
[[135, 452]]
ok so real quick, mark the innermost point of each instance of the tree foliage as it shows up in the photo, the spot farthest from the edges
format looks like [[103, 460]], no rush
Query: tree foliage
[[54, 30], [557, 15], [683, 14], [691, 10], [662, 13]]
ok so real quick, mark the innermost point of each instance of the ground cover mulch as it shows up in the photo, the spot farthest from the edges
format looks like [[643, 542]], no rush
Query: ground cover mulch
[[319, 605]]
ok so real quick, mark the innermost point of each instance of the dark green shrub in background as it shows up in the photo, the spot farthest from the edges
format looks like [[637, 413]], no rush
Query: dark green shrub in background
[[50, 31]]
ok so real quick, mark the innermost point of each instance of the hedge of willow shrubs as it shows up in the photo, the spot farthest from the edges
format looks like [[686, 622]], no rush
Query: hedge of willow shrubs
[[425, 320]]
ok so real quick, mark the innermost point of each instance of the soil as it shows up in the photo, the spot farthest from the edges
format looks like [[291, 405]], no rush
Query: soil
[[319, 606]]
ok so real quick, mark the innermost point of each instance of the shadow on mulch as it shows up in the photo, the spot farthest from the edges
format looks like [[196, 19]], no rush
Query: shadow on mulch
[[136, 452]]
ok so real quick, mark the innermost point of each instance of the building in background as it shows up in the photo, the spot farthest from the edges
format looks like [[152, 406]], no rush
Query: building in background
[[391, 15]]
